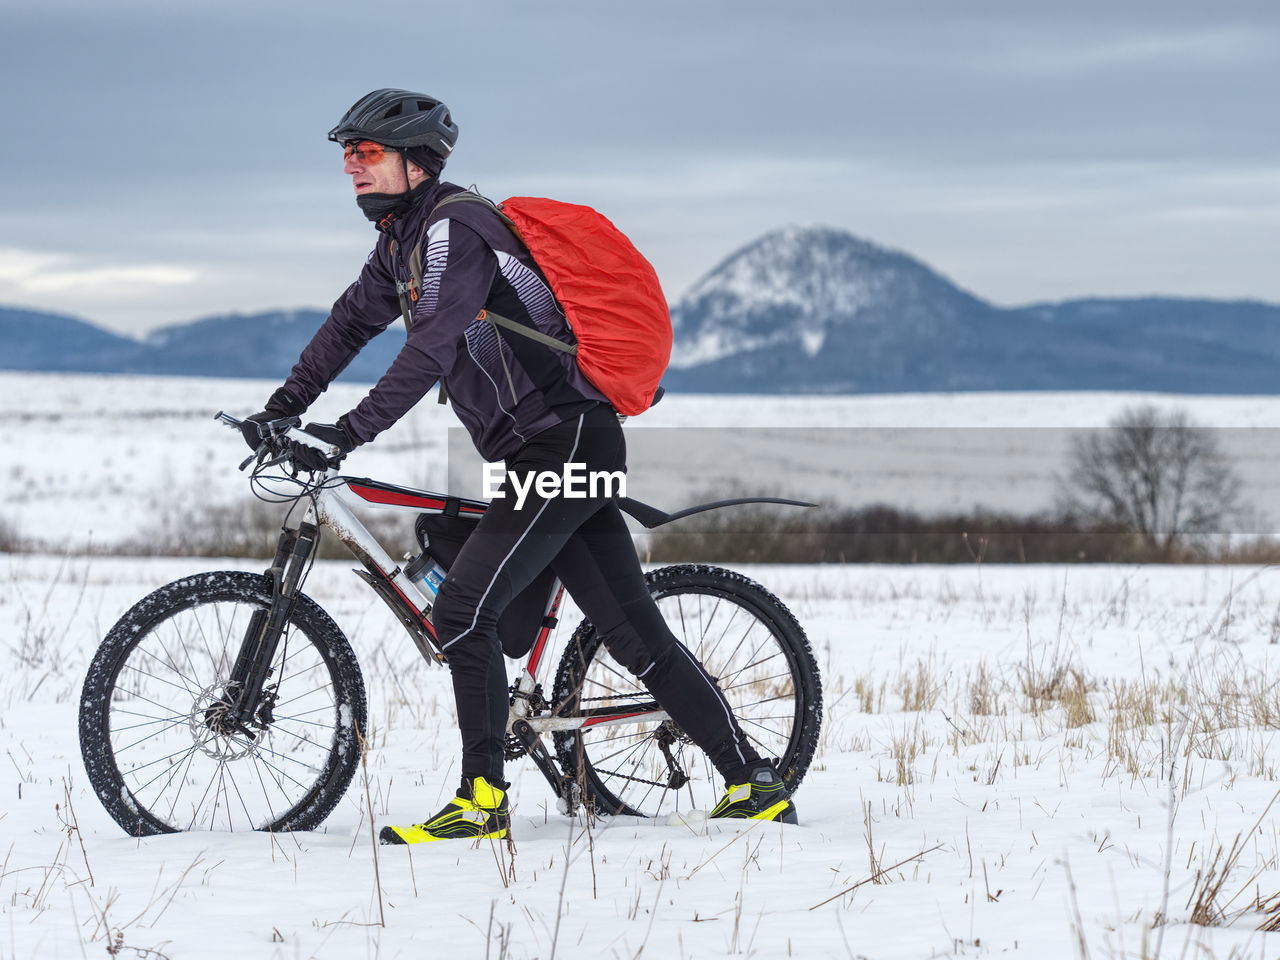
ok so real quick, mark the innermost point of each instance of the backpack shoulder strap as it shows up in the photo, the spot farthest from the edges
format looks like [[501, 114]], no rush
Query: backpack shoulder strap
[[470, 196], [496, 320], [409, 292]]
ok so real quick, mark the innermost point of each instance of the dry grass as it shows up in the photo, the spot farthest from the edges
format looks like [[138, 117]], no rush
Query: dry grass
[[1222, 709], [919, 688], [904, 750], [1211, 878], [984, 690], [870, 697]]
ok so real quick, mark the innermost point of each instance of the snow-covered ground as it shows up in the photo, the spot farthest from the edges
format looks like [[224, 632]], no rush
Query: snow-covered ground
[[1033, 761], [1046, 761], [103, 459]]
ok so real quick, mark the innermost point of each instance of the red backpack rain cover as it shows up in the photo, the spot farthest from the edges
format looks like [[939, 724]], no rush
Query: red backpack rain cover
[[609, 292]]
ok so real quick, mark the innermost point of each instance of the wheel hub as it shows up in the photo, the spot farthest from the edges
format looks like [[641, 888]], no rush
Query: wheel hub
[[214, 731]]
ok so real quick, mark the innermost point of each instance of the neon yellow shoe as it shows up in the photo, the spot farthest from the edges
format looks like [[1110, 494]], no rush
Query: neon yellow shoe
[[481, 816], [763, 797]]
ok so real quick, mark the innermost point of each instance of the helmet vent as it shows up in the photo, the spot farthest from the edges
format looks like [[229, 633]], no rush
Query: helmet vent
[[395, 110]]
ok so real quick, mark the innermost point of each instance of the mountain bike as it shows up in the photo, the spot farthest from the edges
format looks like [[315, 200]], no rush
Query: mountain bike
[[231, 700]]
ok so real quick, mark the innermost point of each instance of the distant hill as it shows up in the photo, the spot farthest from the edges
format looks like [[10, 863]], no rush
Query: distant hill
[[800, 310], [264, 345], [55, 342], [259, 345]]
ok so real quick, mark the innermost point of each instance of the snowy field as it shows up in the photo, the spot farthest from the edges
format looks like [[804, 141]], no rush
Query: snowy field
[[106, 459], [1037, 761]]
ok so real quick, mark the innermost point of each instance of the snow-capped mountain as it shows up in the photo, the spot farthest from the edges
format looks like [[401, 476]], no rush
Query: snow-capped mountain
[[817, 310], [799, 286]]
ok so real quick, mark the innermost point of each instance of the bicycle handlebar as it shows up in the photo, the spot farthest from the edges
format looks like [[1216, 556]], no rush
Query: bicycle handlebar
[[279, 433]]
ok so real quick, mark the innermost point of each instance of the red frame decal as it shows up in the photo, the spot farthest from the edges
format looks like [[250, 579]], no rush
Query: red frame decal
[[399, 498], [540, 644]]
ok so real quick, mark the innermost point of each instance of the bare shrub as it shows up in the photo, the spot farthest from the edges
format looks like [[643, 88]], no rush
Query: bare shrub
[[1154, 472], [247, 528], [884, 534]]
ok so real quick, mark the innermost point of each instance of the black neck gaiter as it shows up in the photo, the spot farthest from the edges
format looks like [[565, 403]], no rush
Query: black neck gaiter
[[385, 209]]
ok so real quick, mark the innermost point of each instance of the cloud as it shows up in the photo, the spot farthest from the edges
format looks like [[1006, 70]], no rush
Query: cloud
[[1230, 47], [1029, 150], [26, 273]]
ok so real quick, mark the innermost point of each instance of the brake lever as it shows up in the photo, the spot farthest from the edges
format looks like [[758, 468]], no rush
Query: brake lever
[[264, 448], [260, 455]]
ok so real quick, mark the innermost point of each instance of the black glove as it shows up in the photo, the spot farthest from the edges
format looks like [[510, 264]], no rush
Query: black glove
[[282, 404], [339, 434]]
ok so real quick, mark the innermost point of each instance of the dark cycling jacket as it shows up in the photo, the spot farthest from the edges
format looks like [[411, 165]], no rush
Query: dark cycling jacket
[[470, 261]]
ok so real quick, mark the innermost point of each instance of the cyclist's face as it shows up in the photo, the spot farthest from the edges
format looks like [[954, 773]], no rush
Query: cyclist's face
[[377, 169]]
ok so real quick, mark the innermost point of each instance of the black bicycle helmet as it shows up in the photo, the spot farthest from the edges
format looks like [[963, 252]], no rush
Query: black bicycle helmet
[[400, 119]]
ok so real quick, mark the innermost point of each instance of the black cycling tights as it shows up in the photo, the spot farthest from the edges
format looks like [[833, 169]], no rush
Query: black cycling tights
[[587, 543]]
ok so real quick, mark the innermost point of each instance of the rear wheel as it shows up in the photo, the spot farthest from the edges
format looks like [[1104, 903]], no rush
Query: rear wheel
[[749, 643], [152, 730]]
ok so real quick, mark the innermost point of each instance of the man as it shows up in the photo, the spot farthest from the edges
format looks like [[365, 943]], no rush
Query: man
[[522, 402]]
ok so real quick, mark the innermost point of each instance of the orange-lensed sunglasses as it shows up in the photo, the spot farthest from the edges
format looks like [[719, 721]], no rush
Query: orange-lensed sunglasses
[[365, 151]]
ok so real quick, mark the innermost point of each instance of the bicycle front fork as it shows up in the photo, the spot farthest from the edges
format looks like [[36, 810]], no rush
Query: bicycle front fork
[[246, 704]]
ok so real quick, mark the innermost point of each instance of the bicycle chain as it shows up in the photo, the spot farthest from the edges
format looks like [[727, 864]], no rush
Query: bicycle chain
[[655, 783]]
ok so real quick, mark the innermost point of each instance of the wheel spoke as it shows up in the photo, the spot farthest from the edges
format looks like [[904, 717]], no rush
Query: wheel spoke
[[285, 703], [178, 717], [169, 769], [708, 656], [177, 686], [182, 781], [609, 756], [150, 736], [777, 733], [138, 696], [738, 673]]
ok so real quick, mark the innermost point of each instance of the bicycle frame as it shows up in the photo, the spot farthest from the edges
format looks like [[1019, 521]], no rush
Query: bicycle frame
[[329, 504]]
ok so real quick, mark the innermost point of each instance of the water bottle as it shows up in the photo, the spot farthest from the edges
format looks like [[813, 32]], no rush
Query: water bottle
[[426, 574]]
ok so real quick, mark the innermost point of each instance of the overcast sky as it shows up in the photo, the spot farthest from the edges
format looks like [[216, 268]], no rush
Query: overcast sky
[[167, 161]]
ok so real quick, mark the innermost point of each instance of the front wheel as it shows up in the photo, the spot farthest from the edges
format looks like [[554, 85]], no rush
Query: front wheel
[[155, 748], [748, 642]]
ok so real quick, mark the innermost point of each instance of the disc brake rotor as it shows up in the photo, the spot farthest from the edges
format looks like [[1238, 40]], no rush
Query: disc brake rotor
[[210, 731]]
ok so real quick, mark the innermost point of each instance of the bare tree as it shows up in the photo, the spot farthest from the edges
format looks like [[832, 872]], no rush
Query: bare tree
[[1155, 472]]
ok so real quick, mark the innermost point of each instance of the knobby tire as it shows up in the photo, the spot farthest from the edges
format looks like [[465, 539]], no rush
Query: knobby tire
[[154, 760]]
